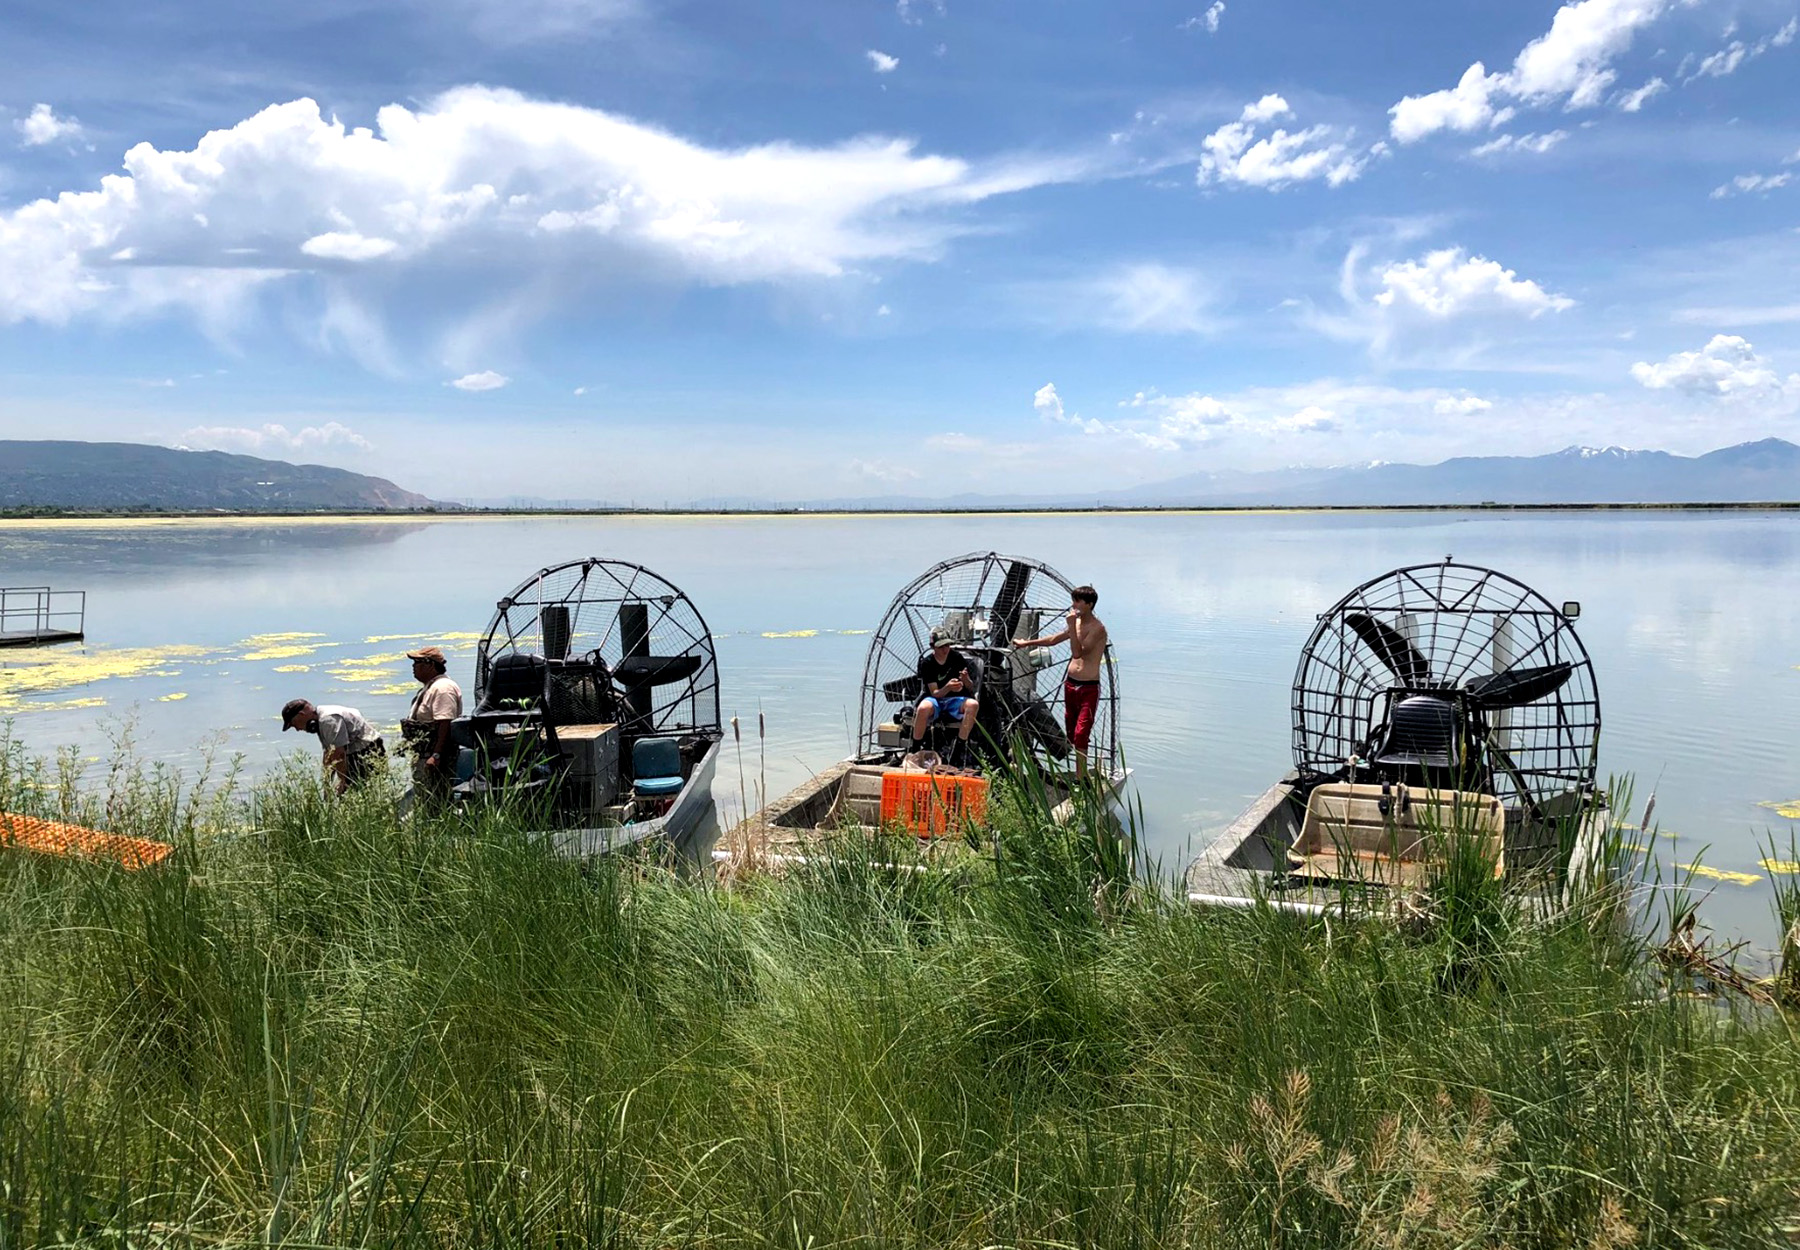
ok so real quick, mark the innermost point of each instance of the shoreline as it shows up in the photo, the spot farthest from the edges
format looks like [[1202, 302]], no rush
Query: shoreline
[[91, 520]]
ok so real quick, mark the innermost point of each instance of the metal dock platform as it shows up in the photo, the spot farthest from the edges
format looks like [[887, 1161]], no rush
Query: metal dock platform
[[36, 615]]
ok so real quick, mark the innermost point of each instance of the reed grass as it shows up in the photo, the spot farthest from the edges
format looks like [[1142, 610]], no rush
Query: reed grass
[[320, 1025]]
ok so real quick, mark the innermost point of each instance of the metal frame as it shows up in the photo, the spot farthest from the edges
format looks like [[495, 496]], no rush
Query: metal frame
[[1466, 621], [588, 588], [42, 619], [971, 583]]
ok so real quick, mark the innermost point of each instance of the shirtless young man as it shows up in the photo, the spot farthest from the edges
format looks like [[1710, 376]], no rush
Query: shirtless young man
[[1086, 637]]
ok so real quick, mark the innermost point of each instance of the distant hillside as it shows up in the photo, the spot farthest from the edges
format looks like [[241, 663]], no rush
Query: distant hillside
[[113, 476], [1762, 472]]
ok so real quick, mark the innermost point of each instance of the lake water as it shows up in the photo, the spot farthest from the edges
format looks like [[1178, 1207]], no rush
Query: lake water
[[198, 632]]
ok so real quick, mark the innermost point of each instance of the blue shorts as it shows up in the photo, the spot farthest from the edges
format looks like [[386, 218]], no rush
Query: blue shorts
[[949, 706]]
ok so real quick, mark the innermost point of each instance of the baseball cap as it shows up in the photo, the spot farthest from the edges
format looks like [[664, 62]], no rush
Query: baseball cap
[[942, 636], [434, 654], [288, 711]]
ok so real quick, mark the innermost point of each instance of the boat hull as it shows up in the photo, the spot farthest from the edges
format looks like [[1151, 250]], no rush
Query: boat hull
[[686, 817], [805, 815], [1248, 862]]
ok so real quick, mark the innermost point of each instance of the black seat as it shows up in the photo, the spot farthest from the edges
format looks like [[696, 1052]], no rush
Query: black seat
[[1421, 731]]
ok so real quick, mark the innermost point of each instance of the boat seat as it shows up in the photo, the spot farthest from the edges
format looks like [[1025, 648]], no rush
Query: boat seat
[[656, 767]]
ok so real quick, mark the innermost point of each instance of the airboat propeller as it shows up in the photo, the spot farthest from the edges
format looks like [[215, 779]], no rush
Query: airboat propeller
[[1454, 671], [986, 600], [615, 642], [1513, 688]]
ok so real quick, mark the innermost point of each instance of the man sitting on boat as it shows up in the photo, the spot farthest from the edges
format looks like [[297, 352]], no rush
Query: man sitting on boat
[[947, 676], [1086, 637]]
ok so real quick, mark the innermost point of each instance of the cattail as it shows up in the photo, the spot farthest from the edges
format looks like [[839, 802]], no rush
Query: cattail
[[738, 735]]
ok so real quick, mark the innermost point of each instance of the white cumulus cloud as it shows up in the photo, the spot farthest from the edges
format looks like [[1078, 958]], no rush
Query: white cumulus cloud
[[346, 245], [1450, 283], [1571, 64], [1460, 405], [1727, 367], [486, 380], [273, 438], [480, 191], [882, 62], [42, 126], [1241, 153]]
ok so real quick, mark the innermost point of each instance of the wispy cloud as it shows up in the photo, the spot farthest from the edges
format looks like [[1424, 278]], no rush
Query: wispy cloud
[[881, 62], [1207, 21], [264, 439]]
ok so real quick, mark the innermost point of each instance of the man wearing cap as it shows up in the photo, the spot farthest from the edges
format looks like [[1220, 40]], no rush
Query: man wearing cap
[[427, 726], [949, 692], [353, 750]]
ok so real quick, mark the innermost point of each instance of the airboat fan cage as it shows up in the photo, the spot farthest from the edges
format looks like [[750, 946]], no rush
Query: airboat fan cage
[[618, 642], [1505, 663], [987, 599]]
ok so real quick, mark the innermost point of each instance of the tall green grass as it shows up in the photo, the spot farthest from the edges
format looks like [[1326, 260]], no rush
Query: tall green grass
[[321, 1025]]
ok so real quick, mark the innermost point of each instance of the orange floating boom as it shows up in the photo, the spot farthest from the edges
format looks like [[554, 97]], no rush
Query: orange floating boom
[[51, 837]]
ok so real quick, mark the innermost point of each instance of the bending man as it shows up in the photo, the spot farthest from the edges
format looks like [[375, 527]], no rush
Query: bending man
[[949, 692], [1086, 637], [353, 750]]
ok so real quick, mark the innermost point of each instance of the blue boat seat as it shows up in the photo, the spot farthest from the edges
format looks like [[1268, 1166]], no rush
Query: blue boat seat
[[656, 767]]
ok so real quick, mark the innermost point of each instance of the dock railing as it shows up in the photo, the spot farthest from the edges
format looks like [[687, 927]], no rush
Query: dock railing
[[38, 611]]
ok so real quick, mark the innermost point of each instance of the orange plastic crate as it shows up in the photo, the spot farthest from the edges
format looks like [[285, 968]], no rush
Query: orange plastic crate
[[933, 804], [50, 837]]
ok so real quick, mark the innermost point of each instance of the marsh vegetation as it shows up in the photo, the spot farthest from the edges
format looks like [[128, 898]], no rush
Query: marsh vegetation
[[317, 1025]]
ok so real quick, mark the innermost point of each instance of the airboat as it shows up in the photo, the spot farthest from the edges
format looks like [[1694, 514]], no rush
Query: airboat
[[985, 600], [597, 704], [1439, 699]]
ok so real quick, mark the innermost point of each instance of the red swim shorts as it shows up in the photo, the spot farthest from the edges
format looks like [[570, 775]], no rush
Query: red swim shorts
[[1081, 703]]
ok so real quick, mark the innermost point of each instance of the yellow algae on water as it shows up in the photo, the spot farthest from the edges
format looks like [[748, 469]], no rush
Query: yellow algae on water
[[293, 668], [367, 667], [261, 640], [1720, 874], [65, 669], [440, 639], [405, 687], [1787, 810], [792, 633], [285, 651], [856, 631], [64, 705], [176, 697], [1781, 867]]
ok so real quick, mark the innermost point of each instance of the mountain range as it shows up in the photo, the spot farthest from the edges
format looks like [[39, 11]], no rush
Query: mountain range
[[1767, 471], [136, 476], [141, 477]]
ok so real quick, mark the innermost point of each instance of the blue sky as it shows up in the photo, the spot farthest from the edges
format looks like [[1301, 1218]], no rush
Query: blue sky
[[625, 249]]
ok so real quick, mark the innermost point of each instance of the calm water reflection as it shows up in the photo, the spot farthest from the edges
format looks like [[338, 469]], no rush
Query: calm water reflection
[[1689, 619]]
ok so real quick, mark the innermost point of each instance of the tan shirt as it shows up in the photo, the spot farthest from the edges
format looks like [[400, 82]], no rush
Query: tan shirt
[[441, 699]]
